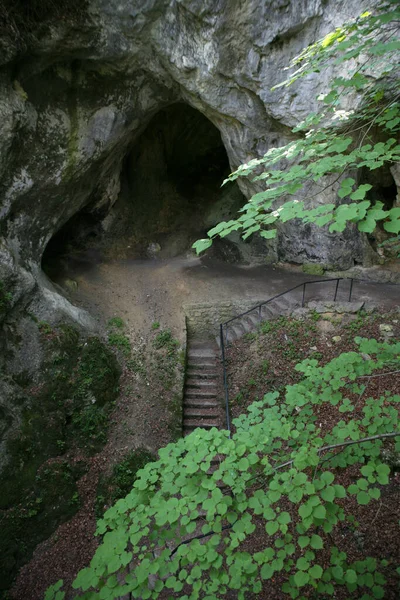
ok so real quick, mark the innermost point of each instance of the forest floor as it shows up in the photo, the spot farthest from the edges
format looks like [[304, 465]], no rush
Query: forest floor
[[265, 361], [149, 296]]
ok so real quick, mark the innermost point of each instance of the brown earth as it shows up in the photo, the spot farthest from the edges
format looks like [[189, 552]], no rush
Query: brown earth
[[142, 293]]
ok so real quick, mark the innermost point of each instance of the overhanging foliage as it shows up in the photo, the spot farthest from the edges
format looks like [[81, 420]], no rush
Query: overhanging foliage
[[333, 145]]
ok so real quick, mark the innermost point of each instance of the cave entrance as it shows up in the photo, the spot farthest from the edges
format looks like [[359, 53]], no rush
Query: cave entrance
[[74, 248], [171, 182], [170, 196]]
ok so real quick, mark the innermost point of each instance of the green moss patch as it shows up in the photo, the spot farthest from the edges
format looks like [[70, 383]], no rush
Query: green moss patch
[[67, 409], [120, 483], [5, 298], [313, 269], [52, 499]]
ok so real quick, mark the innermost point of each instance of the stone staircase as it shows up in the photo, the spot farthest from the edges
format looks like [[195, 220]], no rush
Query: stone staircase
[[203, 397], [202, 403], [284, 305]]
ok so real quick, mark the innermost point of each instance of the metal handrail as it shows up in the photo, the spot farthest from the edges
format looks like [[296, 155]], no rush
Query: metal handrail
[[224, 326], [259, 307], [228, 417], [303, 285]]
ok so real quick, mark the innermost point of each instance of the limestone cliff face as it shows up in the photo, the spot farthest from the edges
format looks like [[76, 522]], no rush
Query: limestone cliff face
[[74, 103]]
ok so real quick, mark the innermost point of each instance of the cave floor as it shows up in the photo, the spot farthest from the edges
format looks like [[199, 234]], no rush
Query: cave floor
[[142, 292]]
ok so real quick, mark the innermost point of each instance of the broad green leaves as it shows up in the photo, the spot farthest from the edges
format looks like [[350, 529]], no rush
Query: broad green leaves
[[277, 473], [335, 141], [202, 245]]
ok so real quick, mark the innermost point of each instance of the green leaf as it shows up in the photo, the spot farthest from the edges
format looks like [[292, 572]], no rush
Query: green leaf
[[316, 572], [316, 542], [328, 494], [327, 477], [201, 245], [303, 541], [346, 187], [267, 572], [350, 576], [284, 518], [360, 192], [305, 510], [319, 512], [302, 564], [337, 572], [340, 491], [272, 527], [301, 578], [269, 234], [363, 497], [367, 225]]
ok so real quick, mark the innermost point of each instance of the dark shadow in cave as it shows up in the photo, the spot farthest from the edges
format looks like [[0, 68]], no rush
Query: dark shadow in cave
[[383, 190], [170, 196], [72, 249], [171, 182]]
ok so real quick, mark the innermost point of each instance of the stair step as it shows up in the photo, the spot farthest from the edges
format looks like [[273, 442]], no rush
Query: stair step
[[231, 337], [203, 384], [201, 362], [205, 375], [200, 403], [238, 329], [199, 394], [246, 324], [201, 353], [202, 344], [195, 423], [206, 413]]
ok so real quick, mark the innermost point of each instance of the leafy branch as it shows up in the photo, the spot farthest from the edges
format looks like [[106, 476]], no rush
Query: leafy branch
[[182, 527], [328, 148]]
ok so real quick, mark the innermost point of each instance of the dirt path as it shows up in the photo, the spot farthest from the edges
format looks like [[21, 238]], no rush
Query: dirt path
[[145, 291]]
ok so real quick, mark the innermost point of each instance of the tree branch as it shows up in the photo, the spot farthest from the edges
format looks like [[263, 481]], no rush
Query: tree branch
[[378, 375], [348, 443]]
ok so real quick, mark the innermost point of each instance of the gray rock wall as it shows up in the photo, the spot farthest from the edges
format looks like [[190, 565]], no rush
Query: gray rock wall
[[77, 99], [72, 107]]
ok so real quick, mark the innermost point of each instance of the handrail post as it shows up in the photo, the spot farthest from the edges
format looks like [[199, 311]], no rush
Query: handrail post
[[228, 420], [336, 290], [351, 288], [304, 294]]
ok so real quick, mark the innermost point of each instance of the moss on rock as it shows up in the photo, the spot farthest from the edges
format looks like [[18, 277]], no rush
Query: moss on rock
[[5, 297], [66, 408], [52, 499], [313, 269]]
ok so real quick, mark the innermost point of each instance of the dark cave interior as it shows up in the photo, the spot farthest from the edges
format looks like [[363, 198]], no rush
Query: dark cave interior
[[170, 194]]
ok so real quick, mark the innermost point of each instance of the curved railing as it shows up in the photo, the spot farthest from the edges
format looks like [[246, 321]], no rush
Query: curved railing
[[223, 328], [223, 341]]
